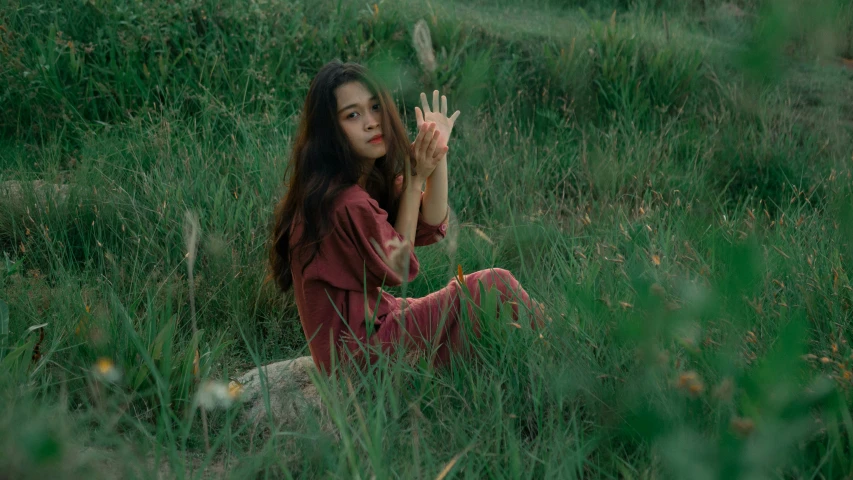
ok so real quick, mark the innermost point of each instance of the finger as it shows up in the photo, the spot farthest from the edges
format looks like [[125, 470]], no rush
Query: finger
[[454, 117], [424, 103], [427, 147], [429, 136], [424, 128], [418, 144], [440, 152], [435, 101], [418, 138], [419, 116], [433, 143], [444, 105], [426, 139]]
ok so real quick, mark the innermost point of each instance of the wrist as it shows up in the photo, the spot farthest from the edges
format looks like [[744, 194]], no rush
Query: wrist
[[415, 186], [440, 167]]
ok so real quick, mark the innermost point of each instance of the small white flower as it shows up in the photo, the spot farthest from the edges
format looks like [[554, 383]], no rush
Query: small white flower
[[215, 394]]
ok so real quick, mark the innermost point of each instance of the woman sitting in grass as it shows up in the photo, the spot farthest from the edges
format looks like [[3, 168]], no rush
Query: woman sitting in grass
[[355, 207]]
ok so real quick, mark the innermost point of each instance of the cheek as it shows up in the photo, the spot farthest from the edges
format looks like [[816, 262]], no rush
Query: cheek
[[348, 132], [352, 138]]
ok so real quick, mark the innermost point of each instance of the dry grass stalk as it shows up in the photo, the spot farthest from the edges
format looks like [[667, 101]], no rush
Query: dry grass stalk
[[422, 42]]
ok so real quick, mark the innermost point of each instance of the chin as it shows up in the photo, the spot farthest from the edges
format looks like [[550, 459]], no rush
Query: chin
[[379, 152], [372, 152]]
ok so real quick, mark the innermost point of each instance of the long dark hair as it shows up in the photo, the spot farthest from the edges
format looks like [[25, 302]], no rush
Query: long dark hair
[[322, 165]]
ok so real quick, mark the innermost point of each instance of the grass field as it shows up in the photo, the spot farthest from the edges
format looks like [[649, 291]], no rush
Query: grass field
[[672, 179]]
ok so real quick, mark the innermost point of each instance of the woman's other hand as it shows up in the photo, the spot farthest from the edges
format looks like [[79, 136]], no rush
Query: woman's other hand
[[426, 152], [437, 114]]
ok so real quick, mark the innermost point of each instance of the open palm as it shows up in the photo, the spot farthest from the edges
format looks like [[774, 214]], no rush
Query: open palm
[[438, 115]]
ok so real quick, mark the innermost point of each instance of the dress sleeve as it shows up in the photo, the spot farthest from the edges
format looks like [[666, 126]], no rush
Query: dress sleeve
[[360, 221], [425, 233]]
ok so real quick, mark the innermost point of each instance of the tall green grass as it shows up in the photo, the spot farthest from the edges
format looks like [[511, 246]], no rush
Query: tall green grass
[[675, 188]]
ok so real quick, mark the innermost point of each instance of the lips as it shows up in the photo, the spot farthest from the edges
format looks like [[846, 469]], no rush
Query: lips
[[376, 139]]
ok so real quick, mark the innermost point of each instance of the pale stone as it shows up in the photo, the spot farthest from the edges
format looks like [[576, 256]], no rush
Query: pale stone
[[292, 394], [16, 190]]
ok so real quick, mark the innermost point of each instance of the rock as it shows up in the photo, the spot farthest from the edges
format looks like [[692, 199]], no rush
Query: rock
[[16, 190], [292, 394], [727, 13], [731, 10]]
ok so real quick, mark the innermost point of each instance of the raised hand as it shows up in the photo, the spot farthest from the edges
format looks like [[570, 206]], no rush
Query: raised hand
[[438, 115], [426, 151]]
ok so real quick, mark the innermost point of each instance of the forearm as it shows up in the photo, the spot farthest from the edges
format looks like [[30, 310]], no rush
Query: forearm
[[434, 206], [407, 211]]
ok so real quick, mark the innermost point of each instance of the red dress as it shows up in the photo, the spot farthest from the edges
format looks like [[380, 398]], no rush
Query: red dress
[[340, 298]]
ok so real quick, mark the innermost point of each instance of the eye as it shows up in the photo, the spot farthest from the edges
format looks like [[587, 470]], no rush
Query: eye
[[352, 115], [376, 107]]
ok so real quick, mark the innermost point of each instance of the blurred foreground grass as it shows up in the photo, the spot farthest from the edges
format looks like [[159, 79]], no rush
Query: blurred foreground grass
[[672, 179]]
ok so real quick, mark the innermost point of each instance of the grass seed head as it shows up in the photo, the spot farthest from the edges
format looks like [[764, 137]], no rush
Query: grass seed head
[[422, 42], [196, 360], [690, 383], [742, 426]]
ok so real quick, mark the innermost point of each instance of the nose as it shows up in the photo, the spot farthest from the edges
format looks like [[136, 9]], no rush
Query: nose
[[372, 120]]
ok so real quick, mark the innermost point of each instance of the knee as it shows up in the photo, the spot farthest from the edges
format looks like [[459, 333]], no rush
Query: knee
[[495, 277], [504, 277]]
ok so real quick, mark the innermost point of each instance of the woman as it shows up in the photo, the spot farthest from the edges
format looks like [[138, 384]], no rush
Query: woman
[[355, 206]]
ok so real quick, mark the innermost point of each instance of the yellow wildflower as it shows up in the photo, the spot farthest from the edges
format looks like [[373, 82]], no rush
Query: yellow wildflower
[[235, 389], [106, 370]]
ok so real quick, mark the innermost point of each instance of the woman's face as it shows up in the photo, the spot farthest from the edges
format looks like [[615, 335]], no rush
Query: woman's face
[[359, 115]]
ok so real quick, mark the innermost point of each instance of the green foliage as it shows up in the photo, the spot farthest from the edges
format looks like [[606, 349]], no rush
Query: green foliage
[[671, 178], [635, 80]]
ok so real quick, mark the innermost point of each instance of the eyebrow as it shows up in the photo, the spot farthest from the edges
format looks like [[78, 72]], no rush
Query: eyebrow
[[355, 104]]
